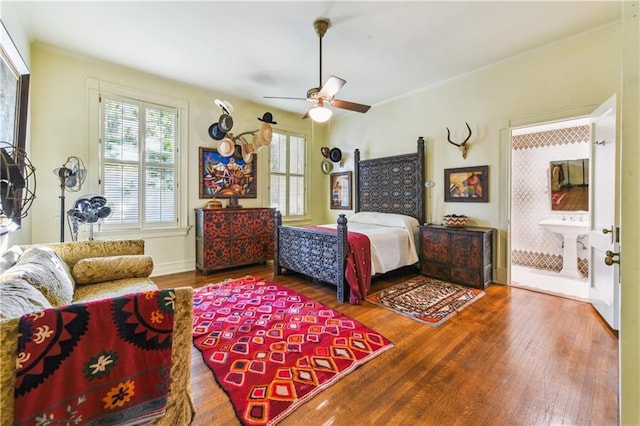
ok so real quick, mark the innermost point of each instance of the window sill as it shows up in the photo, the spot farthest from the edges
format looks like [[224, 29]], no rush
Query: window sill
[[296, 221], [136, 233]]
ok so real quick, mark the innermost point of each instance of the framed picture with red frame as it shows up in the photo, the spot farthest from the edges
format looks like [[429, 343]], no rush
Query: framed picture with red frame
[[340, 192], [466, 184]]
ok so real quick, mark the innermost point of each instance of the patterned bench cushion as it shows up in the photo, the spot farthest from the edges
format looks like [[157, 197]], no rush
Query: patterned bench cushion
[[110, 268]]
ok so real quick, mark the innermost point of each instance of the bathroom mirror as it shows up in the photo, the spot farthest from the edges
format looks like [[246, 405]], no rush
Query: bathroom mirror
[[569, 181]]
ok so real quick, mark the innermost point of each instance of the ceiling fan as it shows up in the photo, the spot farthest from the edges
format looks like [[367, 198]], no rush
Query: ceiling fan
[[325, 94]]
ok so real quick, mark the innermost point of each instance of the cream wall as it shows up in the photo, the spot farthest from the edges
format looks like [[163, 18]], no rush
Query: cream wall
[[553, 81], [630, 220], [59, 128]]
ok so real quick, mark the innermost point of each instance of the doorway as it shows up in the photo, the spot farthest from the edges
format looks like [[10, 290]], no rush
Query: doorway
[[549, 182]]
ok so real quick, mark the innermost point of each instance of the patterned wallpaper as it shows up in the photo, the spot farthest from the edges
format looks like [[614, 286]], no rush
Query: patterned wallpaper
[[530, 196]]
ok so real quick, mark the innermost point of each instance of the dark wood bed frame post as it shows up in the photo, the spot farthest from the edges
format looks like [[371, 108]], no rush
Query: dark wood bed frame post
[[277, 270], [356, 179], [343, 246], [421, 173]]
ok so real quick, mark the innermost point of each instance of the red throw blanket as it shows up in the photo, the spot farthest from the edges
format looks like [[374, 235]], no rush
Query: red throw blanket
[[106, 361], [358, 269]]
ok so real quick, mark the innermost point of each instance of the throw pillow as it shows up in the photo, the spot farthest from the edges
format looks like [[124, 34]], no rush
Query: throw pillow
[[9, 258], [18, 297], [42, 268], [110, 268]]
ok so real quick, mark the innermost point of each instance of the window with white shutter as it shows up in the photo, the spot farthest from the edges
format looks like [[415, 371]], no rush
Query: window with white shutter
[[139, 162], [288, 174]]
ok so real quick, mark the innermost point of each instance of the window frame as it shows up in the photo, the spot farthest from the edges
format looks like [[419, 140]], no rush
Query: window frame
[[95, 88], [285, 214]]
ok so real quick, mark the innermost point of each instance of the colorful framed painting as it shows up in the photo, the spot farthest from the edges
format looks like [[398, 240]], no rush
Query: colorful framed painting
[[466, 184], [226, 177], [341, 191]]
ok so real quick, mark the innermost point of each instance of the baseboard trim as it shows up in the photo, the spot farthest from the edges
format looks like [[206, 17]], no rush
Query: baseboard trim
[[173, 267]]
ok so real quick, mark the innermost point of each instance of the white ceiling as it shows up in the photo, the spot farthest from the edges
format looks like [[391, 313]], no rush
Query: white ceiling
[[251, 49]]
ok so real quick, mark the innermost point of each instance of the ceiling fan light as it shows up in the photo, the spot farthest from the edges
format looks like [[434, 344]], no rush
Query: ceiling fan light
[[319, 113]]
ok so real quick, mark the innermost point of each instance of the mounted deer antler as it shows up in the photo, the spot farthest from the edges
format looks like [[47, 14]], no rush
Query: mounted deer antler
[[463, 146]]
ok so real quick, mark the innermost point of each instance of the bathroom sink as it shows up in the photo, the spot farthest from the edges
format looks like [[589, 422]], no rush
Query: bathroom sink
[[565, 226], [570, 231]]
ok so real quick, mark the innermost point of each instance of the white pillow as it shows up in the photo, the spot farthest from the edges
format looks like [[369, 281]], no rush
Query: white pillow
[[386, 219], [9, 258], [41, 267], [18, 297]]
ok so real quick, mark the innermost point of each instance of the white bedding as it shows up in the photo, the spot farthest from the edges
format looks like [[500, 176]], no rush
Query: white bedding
[[392, 244]]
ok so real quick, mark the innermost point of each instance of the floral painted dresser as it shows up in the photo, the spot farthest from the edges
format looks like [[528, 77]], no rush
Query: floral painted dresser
[[233, 237]]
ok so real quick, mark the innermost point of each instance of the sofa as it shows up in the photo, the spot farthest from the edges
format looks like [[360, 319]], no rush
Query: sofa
[[97, 290]]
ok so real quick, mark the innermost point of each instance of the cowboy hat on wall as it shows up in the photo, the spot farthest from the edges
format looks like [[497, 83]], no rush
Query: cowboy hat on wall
[[226, 147]]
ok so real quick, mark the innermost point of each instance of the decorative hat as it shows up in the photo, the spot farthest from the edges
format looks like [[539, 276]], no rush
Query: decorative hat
[[225, 122], [225, 106], [335, 155], [247, 150], [325, 151], [267, 118], [265, 134], [237, 152], [257, 146], [226, 147], [326, 166], [215, 132]]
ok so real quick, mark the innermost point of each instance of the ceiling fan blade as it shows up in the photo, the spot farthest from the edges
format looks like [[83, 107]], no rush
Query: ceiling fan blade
[[331, 86], [352, 106], [306, 115], [283, 97]]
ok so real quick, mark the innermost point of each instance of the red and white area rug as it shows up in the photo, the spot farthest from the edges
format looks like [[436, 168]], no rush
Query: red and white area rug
[[427, 300], [272, 349]]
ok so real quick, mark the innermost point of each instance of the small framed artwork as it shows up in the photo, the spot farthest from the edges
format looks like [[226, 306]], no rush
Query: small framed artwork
[[466, 184], [226, 177], [341, 191]]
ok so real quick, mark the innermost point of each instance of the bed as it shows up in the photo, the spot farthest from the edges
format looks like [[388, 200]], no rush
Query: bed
[[391, 185]]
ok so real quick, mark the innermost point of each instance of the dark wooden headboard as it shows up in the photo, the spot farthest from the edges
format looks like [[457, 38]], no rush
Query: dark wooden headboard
[[392, 184]]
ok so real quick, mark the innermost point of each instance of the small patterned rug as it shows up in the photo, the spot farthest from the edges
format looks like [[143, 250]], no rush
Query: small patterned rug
[[427, 300], [272, 349]]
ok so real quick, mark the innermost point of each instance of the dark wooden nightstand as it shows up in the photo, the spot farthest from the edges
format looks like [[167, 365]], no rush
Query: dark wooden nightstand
[[458, 255]]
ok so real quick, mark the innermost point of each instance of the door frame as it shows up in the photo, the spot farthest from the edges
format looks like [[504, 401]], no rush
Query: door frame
[[505, 126]]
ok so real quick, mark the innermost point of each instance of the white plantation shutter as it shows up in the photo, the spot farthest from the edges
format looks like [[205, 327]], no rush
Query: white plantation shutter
[[120, 184], [288, 174], [139, 163]]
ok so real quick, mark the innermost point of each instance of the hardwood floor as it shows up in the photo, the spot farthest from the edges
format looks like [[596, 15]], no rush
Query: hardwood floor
[[514, 357], [576, 199]]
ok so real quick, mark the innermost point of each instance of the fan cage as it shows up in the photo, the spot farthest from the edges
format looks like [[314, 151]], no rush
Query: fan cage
[[17, 186], [88, 210]]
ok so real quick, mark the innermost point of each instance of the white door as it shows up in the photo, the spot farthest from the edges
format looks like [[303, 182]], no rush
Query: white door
[[604, 279]]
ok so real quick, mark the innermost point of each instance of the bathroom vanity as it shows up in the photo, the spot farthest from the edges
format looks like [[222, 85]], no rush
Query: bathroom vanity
[[570, 231]]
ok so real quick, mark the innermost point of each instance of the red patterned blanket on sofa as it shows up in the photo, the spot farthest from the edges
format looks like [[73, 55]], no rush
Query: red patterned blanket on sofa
[[106, 361]]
